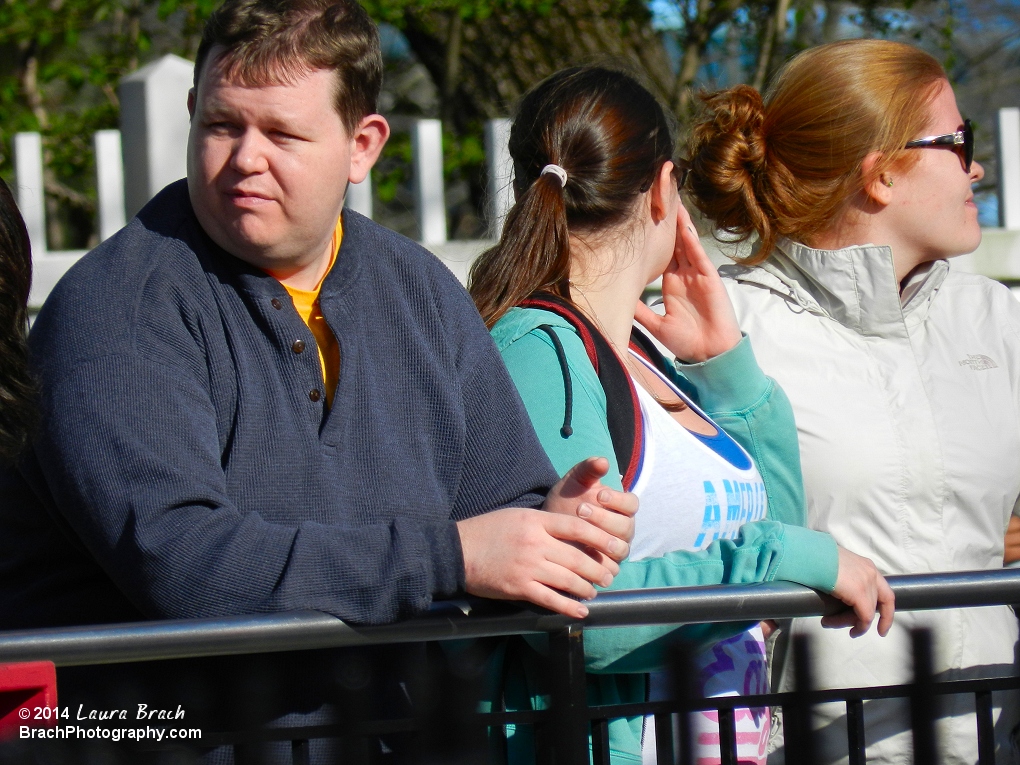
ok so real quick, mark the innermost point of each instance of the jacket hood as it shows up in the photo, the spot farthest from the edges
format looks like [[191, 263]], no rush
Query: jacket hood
[[517, 322], [855, 286]]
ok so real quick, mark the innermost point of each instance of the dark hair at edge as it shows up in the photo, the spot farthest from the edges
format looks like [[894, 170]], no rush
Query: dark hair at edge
[[611, 136], [275, 41], [17, 388]]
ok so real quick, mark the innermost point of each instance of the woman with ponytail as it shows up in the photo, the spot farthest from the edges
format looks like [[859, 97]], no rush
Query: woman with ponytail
[[854, 174], [707, 442]]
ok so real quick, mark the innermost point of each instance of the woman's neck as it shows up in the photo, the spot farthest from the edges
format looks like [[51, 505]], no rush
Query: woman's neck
[[606, 285], [862, 229]]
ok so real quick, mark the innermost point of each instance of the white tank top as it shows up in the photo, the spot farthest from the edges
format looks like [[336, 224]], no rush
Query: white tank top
[[694, 490]]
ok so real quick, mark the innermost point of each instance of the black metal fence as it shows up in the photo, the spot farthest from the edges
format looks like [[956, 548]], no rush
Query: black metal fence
[[434, 716]]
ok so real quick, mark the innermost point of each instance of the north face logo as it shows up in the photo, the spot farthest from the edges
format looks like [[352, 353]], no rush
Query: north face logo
[[978, 362]]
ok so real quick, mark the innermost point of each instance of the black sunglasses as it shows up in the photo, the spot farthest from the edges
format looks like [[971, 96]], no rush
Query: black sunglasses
[[961, 138]]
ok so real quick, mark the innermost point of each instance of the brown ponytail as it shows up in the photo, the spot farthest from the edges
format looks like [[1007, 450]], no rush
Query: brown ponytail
[[611, 137], [787, 165]]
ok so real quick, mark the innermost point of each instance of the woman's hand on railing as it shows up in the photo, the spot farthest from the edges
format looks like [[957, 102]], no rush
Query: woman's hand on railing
[[860, 585], [581, 493]]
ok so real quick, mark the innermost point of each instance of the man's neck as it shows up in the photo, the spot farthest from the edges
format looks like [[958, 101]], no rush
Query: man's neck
[[305, 277]]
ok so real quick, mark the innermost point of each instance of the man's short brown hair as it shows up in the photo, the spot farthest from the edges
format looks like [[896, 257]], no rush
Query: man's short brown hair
[[269, 42]]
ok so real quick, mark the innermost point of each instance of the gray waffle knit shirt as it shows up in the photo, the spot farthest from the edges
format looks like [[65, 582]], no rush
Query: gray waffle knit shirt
[[184, 467]]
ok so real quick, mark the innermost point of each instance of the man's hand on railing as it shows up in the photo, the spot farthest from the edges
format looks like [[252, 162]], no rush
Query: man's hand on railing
[[864, 590], [532, 555], [575, 542]]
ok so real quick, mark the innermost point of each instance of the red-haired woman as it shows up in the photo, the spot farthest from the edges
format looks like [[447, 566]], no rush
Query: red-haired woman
[[854, 172]]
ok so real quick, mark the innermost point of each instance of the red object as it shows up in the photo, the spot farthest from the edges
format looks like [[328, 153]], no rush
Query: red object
[[30, 686]]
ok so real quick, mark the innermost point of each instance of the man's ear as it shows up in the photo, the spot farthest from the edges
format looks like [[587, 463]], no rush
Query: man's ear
[[878, 186], [662, 191], [191, 103], [367, 143]]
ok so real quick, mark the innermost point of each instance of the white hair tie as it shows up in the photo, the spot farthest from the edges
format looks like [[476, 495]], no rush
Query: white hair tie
[[558, 171]]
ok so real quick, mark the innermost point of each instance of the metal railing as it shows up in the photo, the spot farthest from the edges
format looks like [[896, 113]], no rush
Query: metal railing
[[569, 721]]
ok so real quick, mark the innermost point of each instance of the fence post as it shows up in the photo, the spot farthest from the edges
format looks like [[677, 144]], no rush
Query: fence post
[[685, 691], [798, 731], [1009, 168], [564, 739], [109, 182], [856, 742], [359, 196], [501, 174], [922, 700], [28, 188], [154, 124], [430, 200]]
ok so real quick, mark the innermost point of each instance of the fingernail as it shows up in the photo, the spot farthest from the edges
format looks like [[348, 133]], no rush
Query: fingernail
[[607, 580], [604, 495], [584, 510], [582, 612], [617, 546], [691, 229]]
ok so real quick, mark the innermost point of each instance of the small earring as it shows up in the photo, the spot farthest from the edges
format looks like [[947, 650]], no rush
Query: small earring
[[889, 182]]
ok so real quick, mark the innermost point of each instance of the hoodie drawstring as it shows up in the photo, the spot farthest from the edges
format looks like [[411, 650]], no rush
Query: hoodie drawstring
[[568, 392]]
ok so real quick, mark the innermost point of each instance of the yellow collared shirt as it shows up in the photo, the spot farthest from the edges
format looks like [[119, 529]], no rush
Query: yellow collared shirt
[[307, 304]]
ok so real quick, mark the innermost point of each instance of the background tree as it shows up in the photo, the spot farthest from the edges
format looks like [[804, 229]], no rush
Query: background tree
[[466, 61]]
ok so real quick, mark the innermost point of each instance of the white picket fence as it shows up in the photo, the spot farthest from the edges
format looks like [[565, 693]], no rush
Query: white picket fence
[[149, 151]]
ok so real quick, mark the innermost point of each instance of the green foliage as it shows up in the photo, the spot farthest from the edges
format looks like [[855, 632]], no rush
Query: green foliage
[[463, 156], [393, 170], [395, 11], [60, 64]]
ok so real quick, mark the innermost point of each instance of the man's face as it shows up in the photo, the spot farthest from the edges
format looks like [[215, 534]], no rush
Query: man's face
[[268, 167]]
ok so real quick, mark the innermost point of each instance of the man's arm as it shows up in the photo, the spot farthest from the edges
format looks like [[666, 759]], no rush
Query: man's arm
[[131, 455]]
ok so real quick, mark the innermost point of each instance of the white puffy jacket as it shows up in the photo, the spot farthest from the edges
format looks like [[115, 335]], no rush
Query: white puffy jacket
[[908, 411]]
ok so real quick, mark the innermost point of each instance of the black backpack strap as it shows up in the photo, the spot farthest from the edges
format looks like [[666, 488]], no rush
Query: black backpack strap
[[623, 411]]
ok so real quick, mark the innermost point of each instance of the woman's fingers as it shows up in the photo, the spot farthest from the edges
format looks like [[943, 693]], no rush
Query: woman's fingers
[[622, 502], [581, 494], [620, 525], [694, 253], [582, 477], [886, 607], [860, 585], [647, 318], [1012, 541]]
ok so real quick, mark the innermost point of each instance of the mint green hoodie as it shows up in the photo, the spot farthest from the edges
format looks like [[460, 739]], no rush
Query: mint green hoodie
[[749, 406]]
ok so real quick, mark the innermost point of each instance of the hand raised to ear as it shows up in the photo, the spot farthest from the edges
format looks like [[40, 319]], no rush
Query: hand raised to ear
[[699, 322]]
